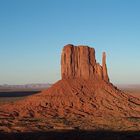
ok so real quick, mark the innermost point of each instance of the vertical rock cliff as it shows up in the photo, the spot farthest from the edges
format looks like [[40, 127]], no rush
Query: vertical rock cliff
[[80, 62]]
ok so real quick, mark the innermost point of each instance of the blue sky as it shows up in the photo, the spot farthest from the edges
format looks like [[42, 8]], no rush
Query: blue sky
[[33, 32]]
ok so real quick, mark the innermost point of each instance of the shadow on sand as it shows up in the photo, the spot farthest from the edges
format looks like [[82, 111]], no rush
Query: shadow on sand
[[72, 135], [17, 93]]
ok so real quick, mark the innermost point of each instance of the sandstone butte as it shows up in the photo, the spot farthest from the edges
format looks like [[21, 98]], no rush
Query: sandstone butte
[[80, 62], [83, 99]]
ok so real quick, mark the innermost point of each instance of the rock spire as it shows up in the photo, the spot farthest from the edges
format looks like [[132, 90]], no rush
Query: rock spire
[[105, 74]]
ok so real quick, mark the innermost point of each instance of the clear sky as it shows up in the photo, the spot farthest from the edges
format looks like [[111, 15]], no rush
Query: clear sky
[[33, 32]]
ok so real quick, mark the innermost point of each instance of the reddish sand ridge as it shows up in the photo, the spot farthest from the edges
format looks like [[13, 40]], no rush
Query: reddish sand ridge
[[83, 99]]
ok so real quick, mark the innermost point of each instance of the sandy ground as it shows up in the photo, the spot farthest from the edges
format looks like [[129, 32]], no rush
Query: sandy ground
[[59, 123], [132, 91]]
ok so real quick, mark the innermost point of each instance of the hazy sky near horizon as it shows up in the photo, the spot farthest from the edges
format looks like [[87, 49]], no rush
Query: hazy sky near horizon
[[33, 32]]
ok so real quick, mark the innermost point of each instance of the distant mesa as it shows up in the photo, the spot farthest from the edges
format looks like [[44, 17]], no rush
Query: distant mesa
[[80, 62]]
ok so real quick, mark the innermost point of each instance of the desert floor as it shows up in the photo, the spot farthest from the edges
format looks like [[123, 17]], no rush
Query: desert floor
[[133, 90], [14, 95], [11, 96]]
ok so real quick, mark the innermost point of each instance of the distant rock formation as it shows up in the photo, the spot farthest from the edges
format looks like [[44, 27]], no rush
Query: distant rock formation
[[80, 62]]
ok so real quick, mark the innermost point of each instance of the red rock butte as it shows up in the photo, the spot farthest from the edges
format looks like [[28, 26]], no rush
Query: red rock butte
[[83, 99], [80, 62]]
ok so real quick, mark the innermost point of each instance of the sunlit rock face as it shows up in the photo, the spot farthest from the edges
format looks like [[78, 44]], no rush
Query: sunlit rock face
[[80, 62]]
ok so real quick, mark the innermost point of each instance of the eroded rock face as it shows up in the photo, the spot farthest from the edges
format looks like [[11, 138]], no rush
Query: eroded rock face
[[105, 74], [80, 62]]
